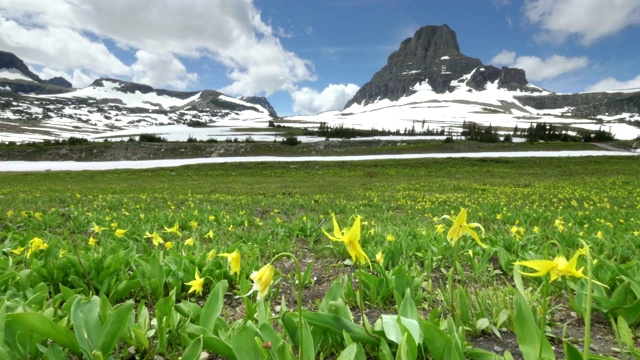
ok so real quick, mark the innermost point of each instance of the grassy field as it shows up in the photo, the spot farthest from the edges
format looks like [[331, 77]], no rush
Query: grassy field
[[160, 261]]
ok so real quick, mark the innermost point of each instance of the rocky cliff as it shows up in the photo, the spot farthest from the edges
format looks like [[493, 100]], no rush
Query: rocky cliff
[[262, 101], [10, 61], [433, 55], [586, 104]]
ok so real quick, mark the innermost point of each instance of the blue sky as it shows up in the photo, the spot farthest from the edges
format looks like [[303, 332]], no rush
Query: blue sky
[[312, 56]]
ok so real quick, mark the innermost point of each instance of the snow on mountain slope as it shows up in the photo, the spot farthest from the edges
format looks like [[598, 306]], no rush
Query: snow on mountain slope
[[426, 109], [13, 74]]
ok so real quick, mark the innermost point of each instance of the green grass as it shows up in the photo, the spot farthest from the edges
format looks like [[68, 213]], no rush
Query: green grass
[[262, 209]]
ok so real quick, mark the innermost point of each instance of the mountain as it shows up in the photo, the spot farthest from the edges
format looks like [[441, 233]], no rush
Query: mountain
[[433, 55], [429, 86], [16, 75], [32, 109]]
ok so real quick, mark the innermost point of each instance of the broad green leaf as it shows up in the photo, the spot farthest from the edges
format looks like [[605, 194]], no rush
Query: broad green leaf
[[212, 308], [625, 333], [436, 340], [384, 352], [391, 328], [194, 349], [570, 352], [124, 288], [114, 327], [308, 350], [244, 343], [407, 350], [336, 324], [43, 326], [349, 353], [408, 308], [86, 323], [482, 324], [531, 341]]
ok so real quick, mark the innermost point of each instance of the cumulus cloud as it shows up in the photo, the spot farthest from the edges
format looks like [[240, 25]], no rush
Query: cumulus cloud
[[538, 69], [77, 78], [614, 84], [588, 20], [161, 68], [333, 97], [68, 34]]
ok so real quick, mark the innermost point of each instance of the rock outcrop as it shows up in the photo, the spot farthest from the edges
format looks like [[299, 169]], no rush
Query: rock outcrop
[[586, 104], [433, 55], [262, 101], [59, 81], [11, 61]]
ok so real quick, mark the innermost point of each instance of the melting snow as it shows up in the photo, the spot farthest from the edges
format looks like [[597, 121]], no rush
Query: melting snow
[[13, 74]]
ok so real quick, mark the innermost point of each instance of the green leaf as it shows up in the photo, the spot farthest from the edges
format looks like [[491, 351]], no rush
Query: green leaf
[[531, 341], [244, 343], [391, 328], [212, 308], [482, 324], [407, 349], [625, 333], [349, 353], [408, 308], [308, 350], [336, 324], [570, 352], [436, 341], [194, 349], [384, 352], [114, 327], [86, 323], [124, 288], [43, 326]]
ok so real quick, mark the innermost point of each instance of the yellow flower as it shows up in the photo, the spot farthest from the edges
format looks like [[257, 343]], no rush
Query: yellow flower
[[536, 230], [440, 228], [114, 225], [120, 233], [18, 250], [97, 229], [189, 242], [379, 257], [92, 241], [196, 284], [234, 261], [460, 228], [499, 216], [262, 279], [168, 245], [599, 235], [38, 215], [61, 253], [555, 268], [193, 224], [155, 238], [351, 239], [209, 234], [10, 213], [174, 230], [390, 237], [212, 217], [211, 254], [36, 244]]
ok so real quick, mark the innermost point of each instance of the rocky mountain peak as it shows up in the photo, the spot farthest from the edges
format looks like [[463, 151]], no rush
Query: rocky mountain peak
[[262, 101], [11, 61], [433, 55], [59, 81]]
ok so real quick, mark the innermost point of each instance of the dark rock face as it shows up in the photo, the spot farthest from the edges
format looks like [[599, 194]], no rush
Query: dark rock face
[[10, 61], [132, 88], [586, 104], [59, 81], [432, 55], [262, 101]]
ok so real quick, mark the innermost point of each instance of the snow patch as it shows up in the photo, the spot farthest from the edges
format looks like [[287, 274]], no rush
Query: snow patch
[[14, 74]]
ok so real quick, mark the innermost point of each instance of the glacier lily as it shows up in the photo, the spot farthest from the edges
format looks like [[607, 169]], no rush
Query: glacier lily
[[234, 261], [262, 279], [460, 227], [351, 239]]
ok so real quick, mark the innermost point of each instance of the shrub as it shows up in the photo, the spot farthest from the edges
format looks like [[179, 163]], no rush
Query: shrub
[[151, 138], [291, 140]]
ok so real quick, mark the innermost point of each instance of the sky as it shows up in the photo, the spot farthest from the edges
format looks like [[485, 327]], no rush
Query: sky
[[307, 56]]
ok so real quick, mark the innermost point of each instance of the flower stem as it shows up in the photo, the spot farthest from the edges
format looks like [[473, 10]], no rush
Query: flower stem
[[299, 296], [543, 319], [587, 314]]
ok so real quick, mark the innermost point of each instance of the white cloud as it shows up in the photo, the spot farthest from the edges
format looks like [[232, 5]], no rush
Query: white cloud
[[538, 69], [69, 34], [158, 69], [77, 78], [333, 97], [588, 20], [506, 58], [614, 84]]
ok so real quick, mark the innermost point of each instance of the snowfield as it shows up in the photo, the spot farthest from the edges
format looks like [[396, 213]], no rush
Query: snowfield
[[31, 166]]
